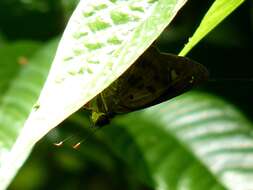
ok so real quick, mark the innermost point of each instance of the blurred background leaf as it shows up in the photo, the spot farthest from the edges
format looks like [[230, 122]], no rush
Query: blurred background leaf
[[101, 40], [11, 57], [126, 155], [192, 137], [195, 141], [23, 73], [31, 19]]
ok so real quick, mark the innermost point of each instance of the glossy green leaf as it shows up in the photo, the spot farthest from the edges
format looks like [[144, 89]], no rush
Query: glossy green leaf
[[217, 13], [195, 141], [102, 39], [22, 75]]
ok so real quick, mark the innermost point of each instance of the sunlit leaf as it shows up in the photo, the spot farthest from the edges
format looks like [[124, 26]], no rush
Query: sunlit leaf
[[217, 13], [195, 141], [102, 39]]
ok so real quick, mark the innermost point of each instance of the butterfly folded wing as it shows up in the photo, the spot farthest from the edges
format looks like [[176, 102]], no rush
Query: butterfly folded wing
[[155, 77]]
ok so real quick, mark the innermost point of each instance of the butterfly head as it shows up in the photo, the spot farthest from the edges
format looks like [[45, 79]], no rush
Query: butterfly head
[[100, 119]]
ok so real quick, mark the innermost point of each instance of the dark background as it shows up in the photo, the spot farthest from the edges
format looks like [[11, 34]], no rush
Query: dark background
[[226, 51]]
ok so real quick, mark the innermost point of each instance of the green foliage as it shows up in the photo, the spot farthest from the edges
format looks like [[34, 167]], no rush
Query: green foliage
[[20, 91], [74, 63], [195, 141], [218, 12], [192, 137]]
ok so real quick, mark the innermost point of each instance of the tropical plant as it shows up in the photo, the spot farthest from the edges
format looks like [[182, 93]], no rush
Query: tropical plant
[[194, 141]]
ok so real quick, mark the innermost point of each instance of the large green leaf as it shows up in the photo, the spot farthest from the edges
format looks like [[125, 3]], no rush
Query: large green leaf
[[102, 39], [10, 113], [195, 141], [100, 42], [217, 13], [20, 87]]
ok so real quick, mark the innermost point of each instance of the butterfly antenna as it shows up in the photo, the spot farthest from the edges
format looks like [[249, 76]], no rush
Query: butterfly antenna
[[77, 145], [58, 144]]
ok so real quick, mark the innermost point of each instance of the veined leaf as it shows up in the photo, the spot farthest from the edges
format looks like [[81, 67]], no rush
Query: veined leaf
[[195, 141], [12, 59], [102, 39], [26, 74]]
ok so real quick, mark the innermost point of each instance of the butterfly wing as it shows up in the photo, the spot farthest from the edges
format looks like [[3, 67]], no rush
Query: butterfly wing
[[155, 77]]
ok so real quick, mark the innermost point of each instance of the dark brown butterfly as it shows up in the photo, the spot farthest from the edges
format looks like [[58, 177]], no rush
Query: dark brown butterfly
[[155, 77]]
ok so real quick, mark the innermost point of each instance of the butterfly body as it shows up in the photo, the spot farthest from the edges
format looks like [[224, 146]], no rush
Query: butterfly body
[[155, 77]]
